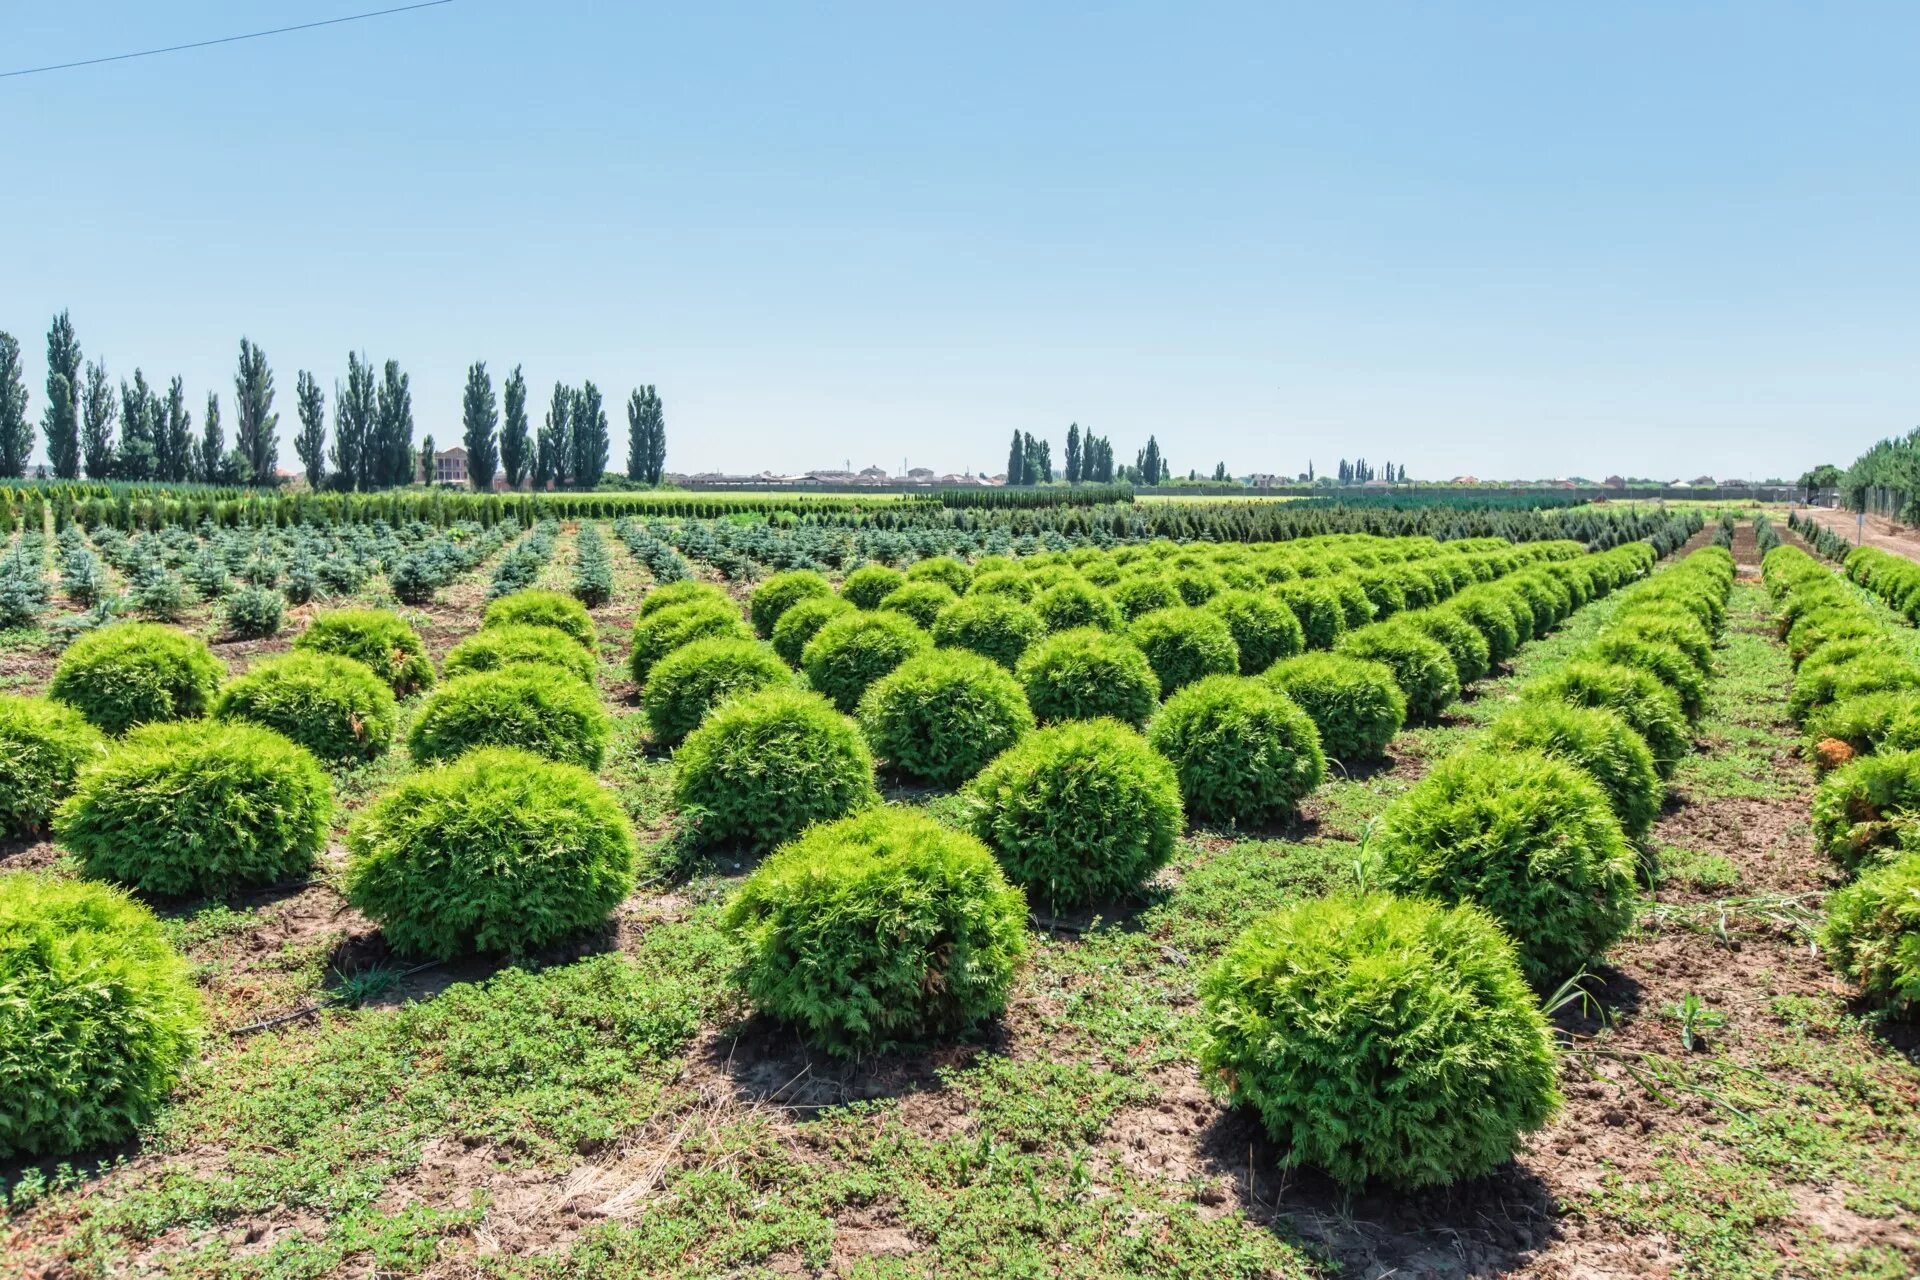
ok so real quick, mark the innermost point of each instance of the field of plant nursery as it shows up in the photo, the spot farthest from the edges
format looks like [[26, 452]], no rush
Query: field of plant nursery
[[662, 885]]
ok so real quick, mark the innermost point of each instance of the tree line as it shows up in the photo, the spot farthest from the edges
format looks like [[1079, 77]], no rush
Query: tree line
[[141, 433]]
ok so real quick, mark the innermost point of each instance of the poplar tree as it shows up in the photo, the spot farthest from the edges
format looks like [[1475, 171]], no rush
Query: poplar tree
[[394, 430], [355, 407], [592, 444], [646, 436], [98, 409], [1017, 461], [516, 446], [175, 433], [61, 423], [1074, 464], [1149, 462], [16, 431], [255, 422], [480, 416], [310, 446], [213, 443], [556, 440], [429, 468]]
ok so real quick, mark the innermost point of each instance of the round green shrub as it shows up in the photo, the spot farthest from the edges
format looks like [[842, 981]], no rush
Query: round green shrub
[[1867, 807], [1491, 616], [1195, 584], [920, 602], [1595, 740], [1872, 933], [661, 632], [1668, 664], [1080, 812], [1830, 625], [334, 707], [1264, 630], [1420, 666], [1354, 704], [1469, 651], [1184, 644], [1088, 674], [1887, 720], [868, 585], [135, 673], [993, 626], [1009, 584], [780, 593], [1816, 685], [1668, 626], [534, 608], [1382, 1039], [940, 717], [1515, 602], [1650, 708], [850, 653], [1245, 753], [880, 930], [513, 644], [1317, 609], [1076, 603], [101, 1015], [1139, 594], [529, 706], [198, 807], [253, 613], [763, 768], [945, 570], [43, 746], [691, 681], [1530, 838], [380, 639], [1545, 600], [671, 595], [801, 623], [499, 851]]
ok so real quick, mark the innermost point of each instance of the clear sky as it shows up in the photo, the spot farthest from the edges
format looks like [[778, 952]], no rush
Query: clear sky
[[1506, 239]]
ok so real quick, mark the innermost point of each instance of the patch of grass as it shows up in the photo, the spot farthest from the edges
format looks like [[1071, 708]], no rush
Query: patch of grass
[[1691, 869]]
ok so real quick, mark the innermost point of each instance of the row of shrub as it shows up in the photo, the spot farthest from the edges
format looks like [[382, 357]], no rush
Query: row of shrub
[[1856, 695]]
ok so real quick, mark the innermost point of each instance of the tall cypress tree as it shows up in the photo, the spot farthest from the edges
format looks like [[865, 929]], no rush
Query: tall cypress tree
[[98, 409], [255, 422], [355, 409], [310, 446], [175, 433], [139, 426], [556, 439], [16, 430], [592, 442], [1073, 453], [646, 436], [210, 462], [61, 422], [394, 415], [480, 416], [516, 447], [1017, 461]]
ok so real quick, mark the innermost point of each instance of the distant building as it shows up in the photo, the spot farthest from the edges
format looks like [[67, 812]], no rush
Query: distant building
[[450, 466], [920, 475], [1464, 480], [1616, 482], [1703, 482]]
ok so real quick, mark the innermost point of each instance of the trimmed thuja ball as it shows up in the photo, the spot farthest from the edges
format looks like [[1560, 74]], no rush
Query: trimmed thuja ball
[[1185, 644], [1884, 721], [334, 707], [1080, 812], [1666, 663], [879, 930], [536, 708], [1865, 808], [535, 608], [921, 601], [1073, 604], [868, 585], [1316, 606], [1244, 751], [799, 624], [198, 807], [847, 655], [994, 626], [1650, 708], [1264, 629], [513, 644], [946, 570], [941, 716], [694, 679], [1384, 1040], [1599, 742], [101, 1015], [1872, 932], [1087, 674], [673, 594], [43, 746], [135, 673], [1421, 667], [1530, 838], [1355, 704], [380, 639], [499, 851], [780, 593], [764, 767], [1471, 654], [661, 632]]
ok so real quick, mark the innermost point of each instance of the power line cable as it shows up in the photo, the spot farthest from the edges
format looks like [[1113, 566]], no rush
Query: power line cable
[[203, 44]]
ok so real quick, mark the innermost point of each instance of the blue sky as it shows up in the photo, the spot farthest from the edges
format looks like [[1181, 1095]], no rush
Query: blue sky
[[1512, 240]]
